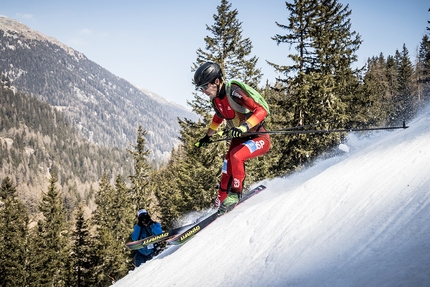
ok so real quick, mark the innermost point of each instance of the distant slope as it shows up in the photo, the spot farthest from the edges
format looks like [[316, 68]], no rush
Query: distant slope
[[105, 108], [360, 219], [36, 139]]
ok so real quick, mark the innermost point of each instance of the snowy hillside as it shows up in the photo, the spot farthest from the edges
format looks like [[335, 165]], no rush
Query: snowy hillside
[[358, 219]]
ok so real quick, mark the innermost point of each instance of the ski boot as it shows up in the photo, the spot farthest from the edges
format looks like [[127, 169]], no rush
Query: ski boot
[[229, 203]]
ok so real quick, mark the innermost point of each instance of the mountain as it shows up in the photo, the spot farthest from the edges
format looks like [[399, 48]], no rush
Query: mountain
[[37, 139], [357, 219], [106, 109]]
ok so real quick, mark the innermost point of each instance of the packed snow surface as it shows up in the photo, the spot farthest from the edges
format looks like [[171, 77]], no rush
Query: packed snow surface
[[359, 218]]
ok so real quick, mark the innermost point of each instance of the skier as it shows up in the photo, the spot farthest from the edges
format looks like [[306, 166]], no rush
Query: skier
[[145, 227], [244, 110]]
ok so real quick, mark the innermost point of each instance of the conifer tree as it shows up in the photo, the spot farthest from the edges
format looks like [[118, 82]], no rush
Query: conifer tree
[[392, 78], [374, 105], [320, 82], [260, 168], [423, 69], [13, 237], [49, 248], [103, 240], [228, 48], [189, 181], [198, 173], [125, 215], [141, 192], [404, 97], [169, 197], [113, 222], [82, 255]]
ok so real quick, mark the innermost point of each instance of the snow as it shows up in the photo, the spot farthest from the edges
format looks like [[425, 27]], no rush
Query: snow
[[360, 218]]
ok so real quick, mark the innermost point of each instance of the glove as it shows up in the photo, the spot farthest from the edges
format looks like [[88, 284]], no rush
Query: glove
[[203, 142], [238, 131]]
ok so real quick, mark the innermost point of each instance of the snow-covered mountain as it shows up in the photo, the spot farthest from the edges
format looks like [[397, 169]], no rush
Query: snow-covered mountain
[[357, 219], [105, 108]]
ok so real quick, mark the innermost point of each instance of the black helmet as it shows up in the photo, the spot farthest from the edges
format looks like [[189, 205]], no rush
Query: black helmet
[[207, 73]]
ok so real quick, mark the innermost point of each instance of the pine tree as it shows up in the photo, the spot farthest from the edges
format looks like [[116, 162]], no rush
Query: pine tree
[[293, 102], [13, 237], [113, 222], [374, 105], [392, 78], [103, 239], [320, 83], [123, 213], [228, 49], [82, 255], [299, 34], [198, 172], [404, 98], [169, 197], [189, 181], [260, 168], [141, 193], [49, 249], [423, 69]]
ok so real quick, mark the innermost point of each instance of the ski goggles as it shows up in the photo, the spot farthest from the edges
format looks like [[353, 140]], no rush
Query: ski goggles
[[203, 87]]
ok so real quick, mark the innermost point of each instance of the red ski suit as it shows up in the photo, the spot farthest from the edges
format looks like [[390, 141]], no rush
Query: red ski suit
[[242, 148]]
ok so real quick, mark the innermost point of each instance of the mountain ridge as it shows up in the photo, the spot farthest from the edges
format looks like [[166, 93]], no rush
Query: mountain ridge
[[105, 109], [8, 24]]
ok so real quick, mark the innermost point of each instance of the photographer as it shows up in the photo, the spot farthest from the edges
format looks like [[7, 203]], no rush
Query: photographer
[[145, 227]]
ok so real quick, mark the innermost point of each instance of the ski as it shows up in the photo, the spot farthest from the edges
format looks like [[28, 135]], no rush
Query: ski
[[134, 245], [192, 230], [251, 193], [182, 234]]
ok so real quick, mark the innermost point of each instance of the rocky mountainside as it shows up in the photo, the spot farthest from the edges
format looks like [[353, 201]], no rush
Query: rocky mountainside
[[106, 109]]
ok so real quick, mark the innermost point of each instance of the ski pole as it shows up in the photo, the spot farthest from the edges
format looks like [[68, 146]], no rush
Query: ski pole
[[221, 133], [291, 131], [303, 126]]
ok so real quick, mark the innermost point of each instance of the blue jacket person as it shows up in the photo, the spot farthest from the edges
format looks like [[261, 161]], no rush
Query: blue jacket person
[[145, 227]]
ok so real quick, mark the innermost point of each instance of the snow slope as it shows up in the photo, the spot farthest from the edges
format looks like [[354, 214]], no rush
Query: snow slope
[[358, 219]]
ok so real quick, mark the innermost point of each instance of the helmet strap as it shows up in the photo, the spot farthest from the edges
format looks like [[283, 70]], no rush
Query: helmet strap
[[218, 88]]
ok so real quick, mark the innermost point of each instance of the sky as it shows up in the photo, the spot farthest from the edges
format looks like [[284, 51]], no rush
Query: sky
[[360, 218], [153, 44]]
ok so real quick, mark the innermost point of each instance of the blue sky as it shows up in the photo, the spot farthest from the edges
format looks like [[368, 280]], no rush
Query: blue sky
[[153, 44]]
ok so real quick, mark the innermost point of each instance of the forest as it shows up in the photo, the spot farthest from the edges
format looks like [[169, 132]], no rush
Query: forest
[[79, 239]]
